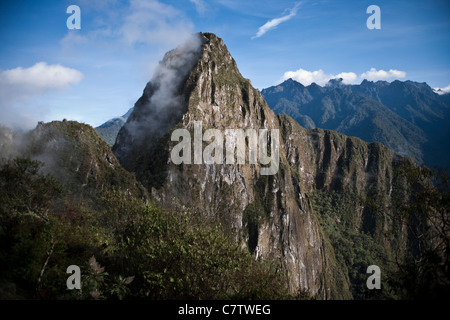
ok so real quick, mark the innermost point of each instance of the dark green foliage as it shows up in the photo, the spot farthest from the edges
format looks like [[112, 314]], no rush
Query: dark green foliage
[[419, 205], [151, 166], [352, 248], [126, 248], [109, 133], [180, 255], [253, 215], [425, 272], [25, 224], [79, 159], [259, 210], [23, 190]]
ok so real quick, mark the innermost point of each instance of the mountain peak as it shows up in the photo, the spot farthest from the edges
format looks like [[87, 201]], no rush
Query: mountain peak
[[162, 103], [199, 77], [337, 82], [291, 81], [366, 82], [197, 88]]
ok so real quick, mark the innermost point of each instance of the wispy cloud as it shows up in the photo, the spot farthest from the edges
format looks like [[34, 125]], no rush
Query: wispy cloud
[[40, 77], [441, 91], [148, 22], [374, 74], [271, 24], [152, 22], [21, 86], [306, 77], [123, 40], [199, 6]]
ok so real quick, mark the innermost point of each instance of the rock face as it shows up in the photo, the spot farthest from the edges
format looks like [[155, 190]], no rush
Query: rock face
[[273, 215]]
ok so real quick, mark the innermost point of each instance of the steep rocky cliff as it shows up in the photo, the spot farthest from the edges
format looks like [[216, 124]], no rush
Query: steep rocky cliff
[[318, 191]]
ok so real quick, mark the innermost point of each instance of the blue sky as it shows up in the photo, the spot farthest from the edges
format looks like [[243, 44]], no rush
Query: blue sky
[[48, 72]]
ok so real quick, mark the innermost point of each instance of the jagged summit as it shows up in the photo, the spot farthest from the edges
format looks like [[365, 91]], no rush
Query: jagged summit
[[186, 78]]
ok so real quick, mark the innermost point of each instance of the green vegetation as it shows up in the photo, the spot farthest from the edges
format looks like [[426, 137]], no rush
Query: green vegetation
[[110, 129], [424, 273], [79, 159], [126, 248], [109, 134], [350, 249], [414, 262], [258, 211]]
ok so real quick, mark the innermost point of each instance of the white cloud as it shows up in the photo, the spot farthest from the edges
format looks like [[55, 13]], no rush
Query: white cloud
[[40, 77], [348, 77], [375, 75], [271, 24], [21, 88], [199, 6], [442, 90], [124, 40], [306, 77], [152, 22], [147, 22]]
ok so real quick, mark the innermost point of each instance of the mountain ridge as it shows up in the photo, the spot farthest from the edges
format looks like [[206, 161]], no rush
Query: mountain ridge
[[406, 116], [109, 130]]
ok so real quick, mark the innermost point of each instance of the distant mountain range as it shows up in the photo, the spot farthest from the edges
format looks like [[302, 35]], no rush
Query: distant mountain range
[[109, 130], [407, 116]]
